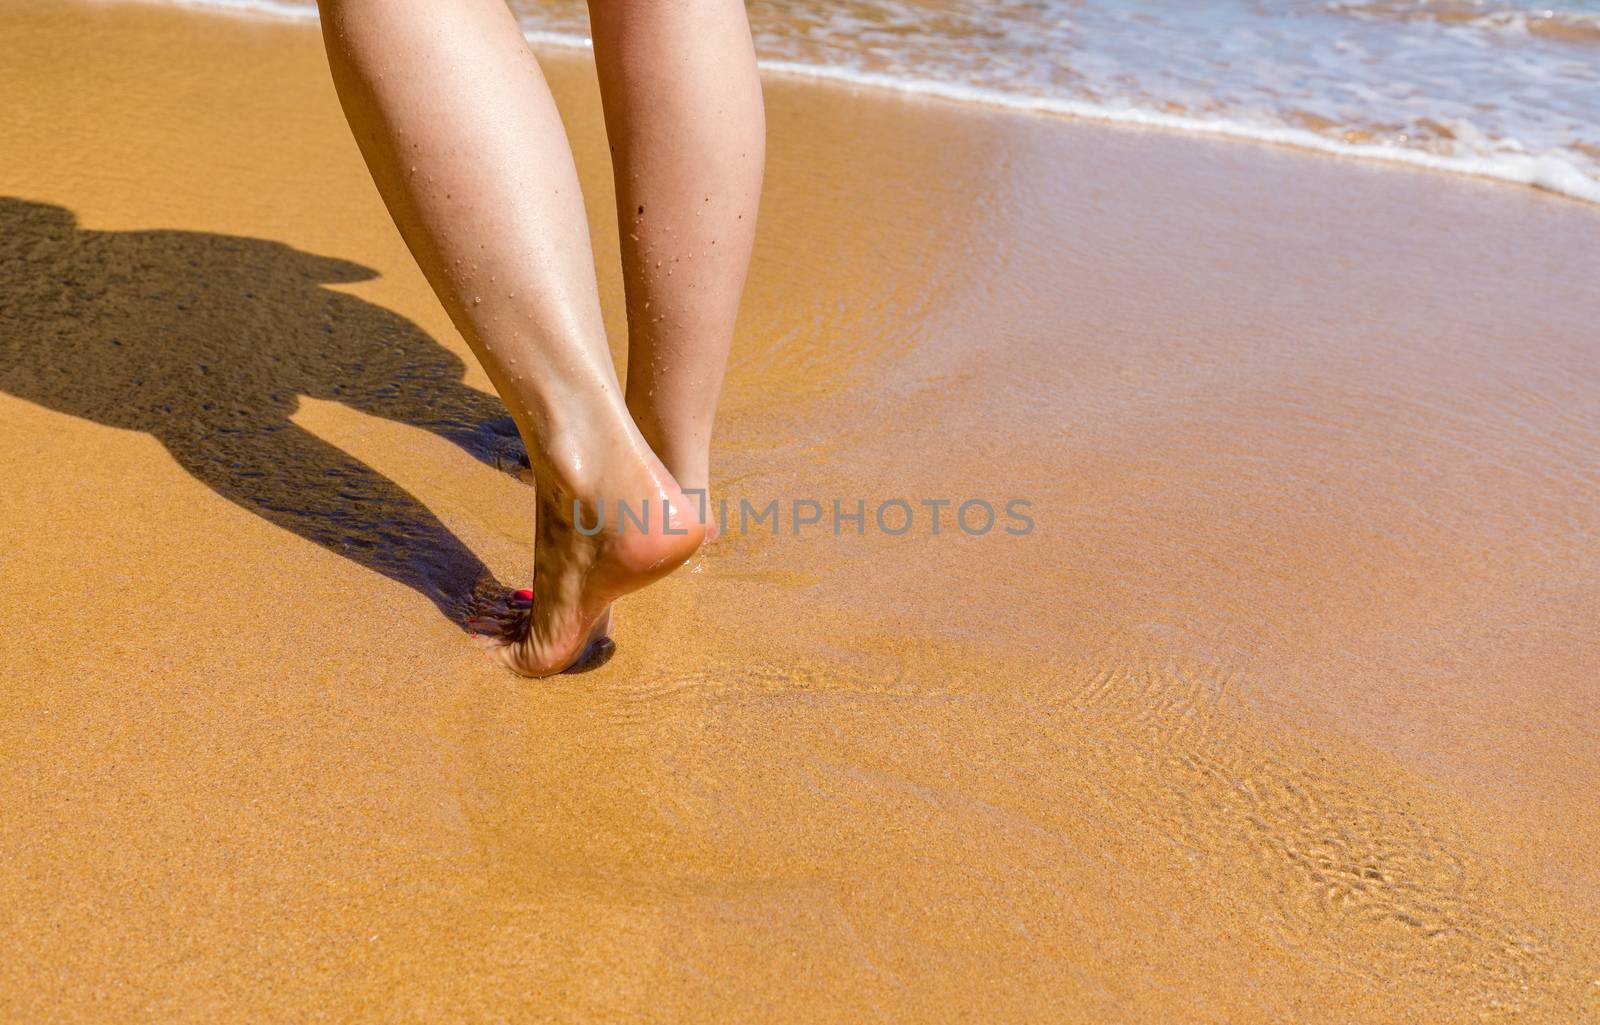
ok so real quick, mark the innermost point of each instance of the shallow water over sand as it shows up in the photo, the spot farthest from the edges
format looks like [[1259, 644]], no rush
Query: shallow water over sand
[[1286, 710]]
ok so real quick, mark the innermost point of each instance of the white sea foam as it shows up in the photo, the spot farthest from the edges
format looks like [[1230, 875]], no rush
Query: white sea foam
[[1555, 172], [280, 9], [1460, 86]]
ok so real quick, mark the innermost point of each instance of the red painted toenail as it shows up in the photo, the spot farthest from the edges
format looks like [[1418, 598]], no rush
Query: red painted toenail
[[523, 595]]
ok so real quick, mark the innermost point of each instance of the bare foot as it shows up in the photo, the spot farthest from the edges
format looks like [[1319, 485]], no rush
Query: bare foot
[[578, 573], [701, 508], [502, 618]]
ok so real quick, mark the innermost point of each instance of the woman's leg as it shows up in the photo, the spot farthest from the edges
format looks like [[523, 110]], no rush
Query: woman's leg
[[688, 140], [461, 135]]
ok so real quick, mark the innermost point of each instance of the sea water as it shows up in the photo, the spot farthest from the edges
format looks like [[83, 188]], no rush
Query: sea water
[[1498, 88]]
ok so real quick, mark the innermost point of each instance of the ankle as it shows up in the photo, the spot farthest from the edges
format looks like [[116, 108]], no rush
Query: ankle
[[683, 450], [578, 456]]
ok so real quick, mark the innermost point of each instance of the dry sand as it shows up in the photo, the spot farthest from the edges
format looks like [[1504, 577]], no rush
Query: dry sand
[[1287, 710]]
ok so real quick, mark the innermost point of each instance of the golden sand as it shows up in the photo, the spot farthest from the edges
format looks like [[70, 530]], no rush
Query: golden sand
[[1286, 711]]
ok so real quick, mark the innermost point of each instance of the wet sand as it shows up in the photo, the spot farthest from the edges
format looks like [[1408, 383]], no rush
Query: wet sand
[[1286, 710]]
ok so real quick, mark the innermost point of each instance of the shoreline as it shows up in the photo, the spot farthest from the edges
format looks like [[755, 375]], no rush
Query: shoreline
[[1544, 174], [1283, 711]]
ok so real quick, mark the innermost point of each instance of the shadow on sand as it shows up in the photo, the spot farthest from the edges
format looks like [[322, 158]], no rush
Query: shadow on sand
[[206, 342]]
